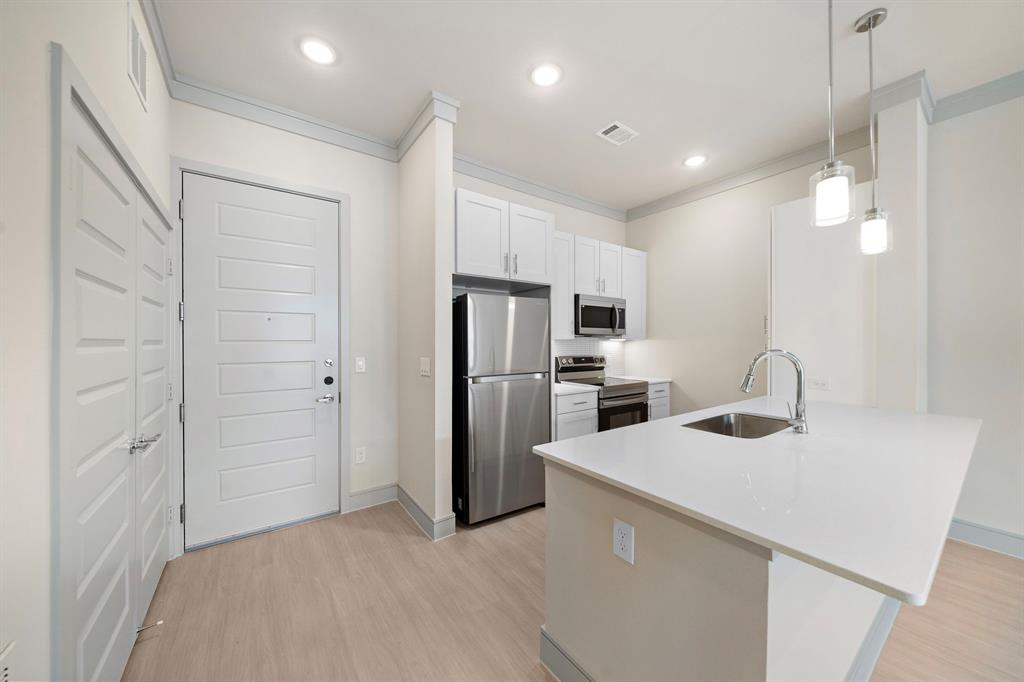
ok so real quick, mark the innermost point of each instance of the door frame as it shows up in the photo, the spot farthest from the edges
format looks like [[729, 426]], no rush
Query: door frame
[[69, 91], [180, 166]]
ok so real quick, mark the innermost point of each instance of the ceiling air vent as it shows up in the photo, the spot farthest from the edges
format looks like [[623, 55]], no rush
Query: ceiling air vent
[[137, 57], [617, 133]]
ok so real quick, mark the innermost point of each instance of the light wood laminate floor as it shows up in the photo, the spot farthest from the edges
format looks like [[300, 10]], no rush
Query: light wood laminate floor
[[367, 596]]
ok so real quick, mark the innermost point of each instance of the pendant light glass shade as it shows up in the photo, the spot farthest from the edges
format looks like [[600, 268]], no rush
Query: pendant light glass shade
[[832, 195], [875, 233]]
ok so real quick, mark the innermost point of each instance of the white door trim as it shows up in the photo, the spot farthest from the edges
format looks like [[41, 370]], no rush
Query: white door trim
[[180, 166]]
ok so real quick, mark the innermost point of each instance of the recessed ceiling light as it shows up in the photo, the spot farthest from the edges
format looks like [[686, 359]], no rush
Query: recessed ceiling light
[[546, 75], [317, 51], [695, 160]]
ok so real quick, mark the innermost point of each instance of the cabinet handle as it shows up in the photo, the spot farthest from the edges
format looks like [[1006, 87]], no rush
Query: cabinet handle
[[515, 264], [581, 402], [604, 285], [505, 266]]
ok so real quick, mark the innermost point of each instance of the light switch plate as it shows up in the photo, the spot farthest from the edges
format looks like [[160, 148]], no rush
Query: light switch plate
[[820, 383], [360, 365], [622, 540], [361, 455], [424, 367]]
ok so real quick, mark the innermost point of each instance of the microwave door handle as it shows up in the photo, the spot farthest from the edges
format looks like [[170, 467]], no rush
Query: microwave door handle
[[615, 327]]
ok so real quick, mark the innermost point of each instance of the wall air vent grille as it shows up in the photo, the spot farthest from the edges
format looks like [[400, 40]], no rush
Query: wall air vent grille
[[617, 133], [137, 59]]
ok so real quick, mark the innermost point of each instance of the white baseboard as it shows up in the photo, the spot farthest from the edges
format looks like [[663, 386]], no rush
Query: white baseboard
[[435, 530], [989, 538], [558, 663], [371, 497]]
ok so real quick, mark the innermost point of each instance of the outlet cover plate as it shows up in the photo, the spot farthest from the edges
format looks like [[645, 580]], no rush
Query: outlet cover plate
[[424, 367], [360, 365], [623, 540]]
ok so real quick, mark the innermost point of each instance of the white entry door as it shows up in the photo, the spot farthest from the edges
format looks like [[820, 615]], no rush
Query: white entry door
[[261, 358]]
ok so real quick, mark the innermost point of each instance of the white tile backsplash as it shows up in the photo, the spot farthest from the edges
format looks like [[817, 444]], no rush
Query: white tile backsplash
[[613, 351]]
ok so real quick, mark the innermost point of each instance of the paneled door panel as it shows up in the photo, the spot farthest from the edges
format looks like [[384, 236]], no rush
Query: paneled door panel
[[153, 423], [481, 235], [587, 268], [97, 400], [261, 322], [530, 242]]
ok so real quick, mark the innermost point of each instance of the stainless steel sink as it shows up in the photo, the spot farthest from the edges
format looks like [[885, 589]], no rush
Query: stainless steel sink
[[740, 425]]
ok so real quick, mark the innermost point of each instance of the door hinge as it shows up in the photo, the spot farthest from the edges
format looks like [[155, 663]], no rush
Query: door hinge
[[181, 209], [181, 513], [181, 412], [181, 311]]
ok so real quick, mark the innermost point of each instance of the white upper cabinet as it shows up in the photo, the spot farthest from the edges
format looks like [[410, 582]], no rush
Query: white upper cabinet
[[562, 311], [587, 266], [611, 270], [530, 248], [481, 235], [634, 290]]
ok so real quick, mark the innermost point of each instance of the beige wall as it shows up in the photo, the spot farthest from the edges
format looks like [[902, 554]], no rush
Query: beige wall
[[976, 300], [94, 34], [707, 286], [372, 184], [567, 218], [426, 232]]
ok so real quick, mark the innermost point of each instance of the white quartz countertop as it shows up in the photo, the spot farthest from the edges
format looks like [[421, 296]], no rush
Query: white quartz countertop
[[868, 494], [569, 388], [650, 380]]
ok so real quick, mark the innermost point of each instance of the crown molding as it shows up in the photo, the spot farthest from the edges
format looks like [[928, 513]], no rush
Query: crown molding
[[808, 155], [437, 105], [915, 85], [985, 95], [476, 169]]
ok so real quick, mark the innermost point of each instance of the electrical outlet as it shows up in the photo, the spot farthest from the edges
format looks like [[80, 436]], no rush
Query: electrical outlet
[[622, 540], [361, 455], [820, 383], [424, 367], [360, 365]]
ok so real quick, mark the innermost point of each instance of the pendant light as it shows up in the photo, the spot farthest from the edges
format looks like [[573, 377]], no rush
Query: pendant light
[[831, 188], [875, 230]]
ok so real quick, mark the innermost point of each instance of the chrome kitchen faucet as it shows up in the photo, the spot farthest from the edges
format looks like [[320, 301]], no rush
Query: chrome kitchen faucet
[[799, 420]]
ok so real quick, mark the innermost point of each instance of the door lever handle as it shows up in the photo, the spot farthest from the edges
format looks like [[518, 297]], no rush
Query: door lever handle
[[141, 443], [327, 398]]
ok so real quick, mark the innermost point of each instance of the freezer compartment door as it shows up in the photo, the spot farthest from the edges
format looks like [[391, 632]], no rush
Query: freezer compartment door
[[506, 334], [507, 417]]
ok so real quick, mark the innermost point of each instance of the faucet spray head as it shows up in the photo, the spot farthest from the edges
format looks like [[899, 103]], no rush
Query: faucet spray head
[[747, 383]]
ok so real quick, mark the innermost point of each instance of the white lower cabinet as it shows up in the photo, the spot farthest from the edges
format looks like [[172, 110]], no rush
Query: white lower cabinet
[[657, 409], [575, 424]]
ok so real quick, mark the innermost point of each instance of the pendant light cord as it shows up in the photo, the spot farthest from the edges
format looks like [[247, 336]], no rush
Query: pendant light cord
[[873, 122], [831, 124]]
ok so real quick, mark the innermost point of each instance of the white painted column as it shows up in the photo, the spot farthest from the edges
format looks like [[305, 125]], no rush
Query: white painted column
[[902, 284]]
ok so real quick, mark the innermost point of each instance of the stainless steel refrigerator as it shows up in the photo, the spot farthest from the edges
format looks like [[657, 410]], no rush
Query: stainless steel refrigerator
[[501, 403]]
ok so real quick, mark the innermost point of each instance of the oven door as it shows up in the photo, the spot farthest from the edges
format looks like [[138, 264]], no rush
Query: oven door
[[615, 412], [599, 316]]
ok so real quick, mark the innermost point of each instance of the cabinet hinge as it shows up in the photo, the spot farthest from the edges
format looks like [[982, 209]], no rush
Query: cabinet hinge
[[181, 513], [181, 412], [181, 311], [181, 209]]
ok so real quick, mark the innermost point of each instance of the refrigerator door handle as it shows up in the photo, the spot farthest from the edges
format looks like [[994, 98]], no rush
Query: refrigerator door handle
[[471, 435], [507, 377]]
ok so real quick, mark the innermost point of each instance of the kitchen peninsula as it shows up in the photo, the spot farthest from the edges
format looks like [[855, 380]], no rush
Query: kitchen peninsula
[[781, 557]]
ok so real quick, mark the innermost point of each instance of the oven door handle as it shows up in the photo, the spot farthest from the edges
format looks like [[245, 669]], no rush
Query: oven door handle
[[619, 402]]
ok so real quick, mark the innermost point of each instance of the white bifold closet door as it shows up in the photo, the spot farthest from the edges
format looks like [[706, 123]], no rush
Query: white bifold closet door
[[114, 357], [261, 357]]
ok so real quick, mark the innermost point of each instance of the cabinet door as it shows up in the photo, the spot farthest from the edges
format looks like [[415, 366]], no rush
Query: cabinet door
[[481, 235], [610, 270], [530, 234], [587, 265], [657, 409], [562, 318], [634, 290], [576, 424]]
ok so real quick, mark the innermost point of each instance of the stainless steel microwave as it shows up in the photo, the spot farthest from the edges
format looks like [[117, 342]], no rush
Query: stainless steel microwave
[[600, 316]]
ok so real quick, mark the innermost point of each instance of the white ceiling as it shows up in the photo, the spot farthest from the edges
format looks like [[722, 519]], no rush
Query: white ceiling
[[741, 82]]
